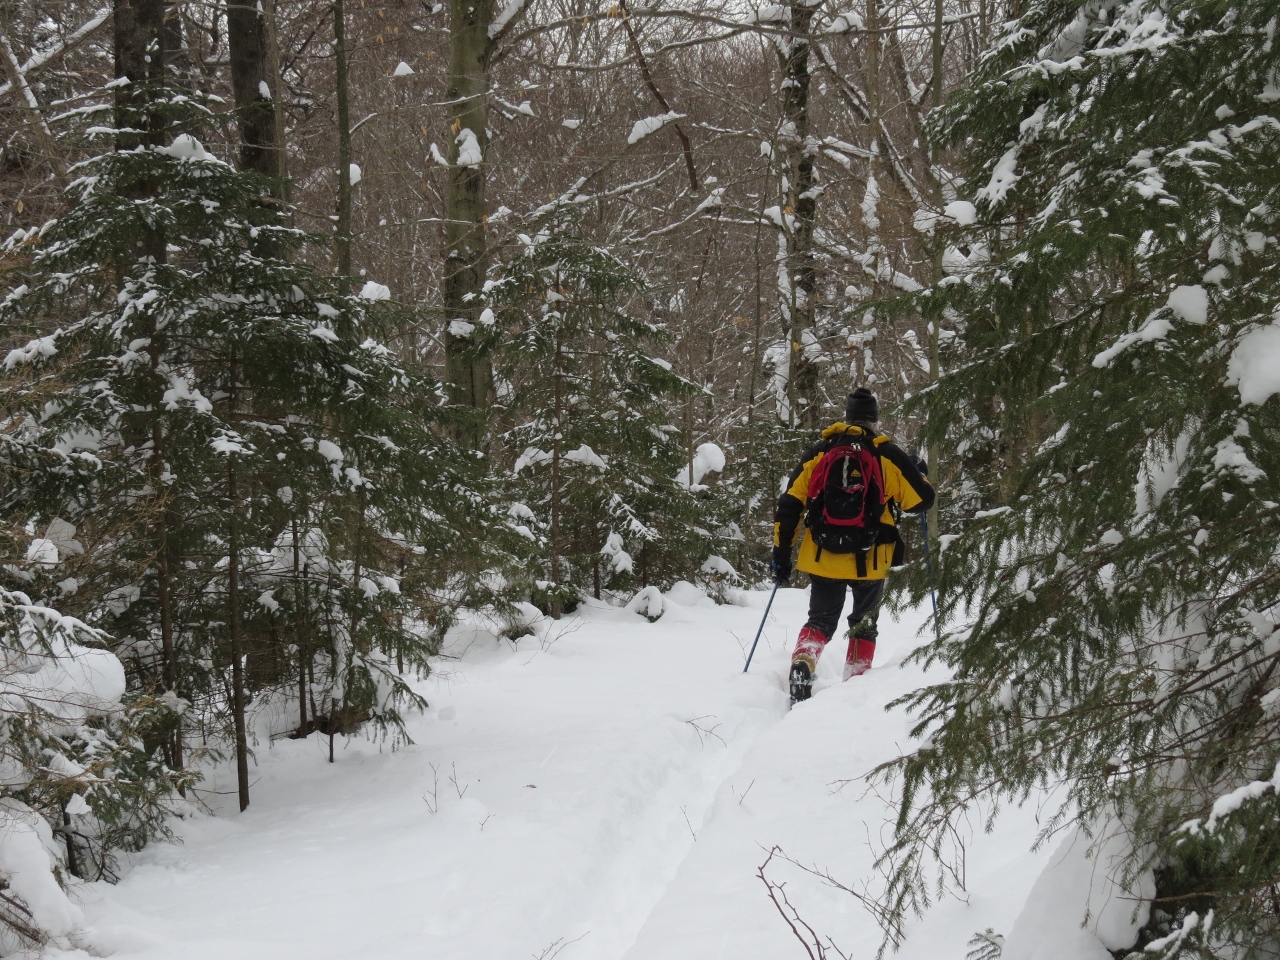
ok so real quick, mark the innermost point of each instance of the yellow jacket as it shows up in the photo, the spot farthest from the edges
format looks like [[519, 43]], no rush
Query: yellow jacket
[[903, 484]]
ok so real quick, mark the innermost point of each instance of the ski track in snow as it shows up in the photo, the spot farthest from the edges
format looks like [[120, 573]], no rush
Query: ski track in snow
[[580, 786]]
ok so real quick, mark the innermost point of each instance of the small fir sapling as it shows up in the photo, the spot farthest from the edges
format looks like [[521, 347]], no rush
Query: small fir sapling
[[596, 467]]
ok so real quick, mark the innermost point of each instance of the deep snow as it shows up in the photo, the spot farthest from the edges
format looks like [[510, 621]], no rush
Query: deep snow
[[586, 760]]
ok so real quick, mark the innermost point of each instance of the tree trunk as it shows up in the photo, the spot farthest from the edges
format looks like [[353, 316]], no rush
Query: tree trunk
[[233, 616], [255, 87], [300, 643], [804, 390], [935, 323], [342, 242], [140, 43], [469, 375], [554, 607]]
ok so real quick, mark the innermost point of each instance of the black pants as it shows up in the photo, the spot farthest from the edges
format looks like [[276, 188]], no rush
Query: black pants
[[826, 601]]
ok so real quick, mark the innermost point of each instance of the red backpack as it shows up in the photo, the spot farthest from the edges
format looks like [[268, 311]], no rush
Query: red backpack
[[846, 497]]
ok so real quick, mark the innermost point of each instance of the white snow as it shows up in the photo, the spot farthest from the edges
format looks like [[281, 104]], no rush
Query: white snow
[[375, 291], [264, 91], [469, 152], [508, 13], [329, 450], [1081, 875], [585, 455], [1190, 303], [402, 70], [846, 22], [461, 328], [1003, 178], [43, 553], [354, 174], [41, 347], [708, 458], [187, 147], [553, 794], [571, 124], [648, 125], [27, 862], [1254, 366], [962, 212], [613, 551], [1230, 456]]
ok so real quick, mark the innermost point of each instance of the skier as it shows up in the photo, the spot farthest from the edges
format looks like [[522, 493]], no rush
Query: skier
[[851, 484]]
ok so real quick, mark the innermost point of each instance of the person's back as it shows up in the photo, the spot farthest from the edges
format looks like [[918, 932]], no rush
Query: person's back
[[850, 539]]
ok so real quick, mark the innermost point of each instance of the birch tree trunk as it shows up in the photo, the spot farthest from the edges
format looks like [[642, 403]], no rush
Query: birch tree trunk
[[801, 208]]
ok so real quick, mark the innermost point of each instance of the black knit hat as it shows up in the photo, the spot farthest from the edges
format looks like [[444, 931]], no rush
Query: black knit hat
[[861, 407]]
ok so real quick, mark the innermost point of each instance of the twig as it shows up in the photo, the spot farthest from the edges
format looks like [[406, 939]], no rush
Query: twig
[[744, 792], [433, 804], [778, 894], [453, 778], [704, 732], [693, 833], [685, 145], [553, 950]]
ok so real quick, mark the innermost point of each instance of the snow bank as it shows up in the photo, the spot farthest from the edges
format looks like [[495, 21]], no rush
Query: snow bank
[[558, 783], [1082, 880], [648, 603]]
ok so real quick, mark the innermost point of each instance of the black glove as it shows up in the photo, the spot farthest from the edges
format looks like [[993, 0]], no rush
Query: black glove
[[781, 565]]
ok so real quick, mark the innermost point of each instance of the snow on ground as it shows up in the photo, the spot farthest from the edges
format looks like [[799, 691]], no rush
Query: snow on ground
[[572, 773]]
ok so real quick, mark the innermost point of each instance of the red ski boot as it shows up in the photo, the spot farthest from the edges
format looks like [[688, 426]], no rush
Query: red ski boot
[[858, 660]]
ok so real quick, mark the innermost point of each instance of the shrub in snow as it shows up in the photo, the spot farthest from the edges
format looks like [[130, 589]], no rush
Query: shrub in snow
[[720, 581], [648, 603], [1109, 397]]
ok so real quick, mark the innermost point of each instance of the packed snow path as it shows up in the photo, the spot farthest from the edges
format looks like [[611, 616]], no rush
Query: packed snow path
[[551, 801]]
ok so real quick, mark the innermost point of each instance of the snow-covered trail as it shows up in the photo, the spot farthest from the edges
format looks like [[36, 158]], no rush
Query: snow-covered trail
[[570, 778]]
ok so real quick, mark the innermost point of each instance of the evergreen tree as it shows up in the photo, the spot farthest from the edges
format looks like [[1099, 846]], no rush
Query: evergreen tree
[[1117, 608], [600, 481], [76, 750], [255, 468]]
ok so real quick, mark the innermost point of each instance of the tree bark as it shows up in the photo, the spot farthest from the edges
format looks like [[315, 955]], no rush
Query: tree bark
[[804, 389], [238, 698], [554, 607], [140, 47], [255, 88], [468, 373], [342, 242]]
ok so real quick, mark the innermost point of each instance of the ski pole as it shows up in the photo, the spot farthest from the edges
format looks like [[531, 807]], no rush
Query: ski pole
[[767, 606], [928, 559]]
